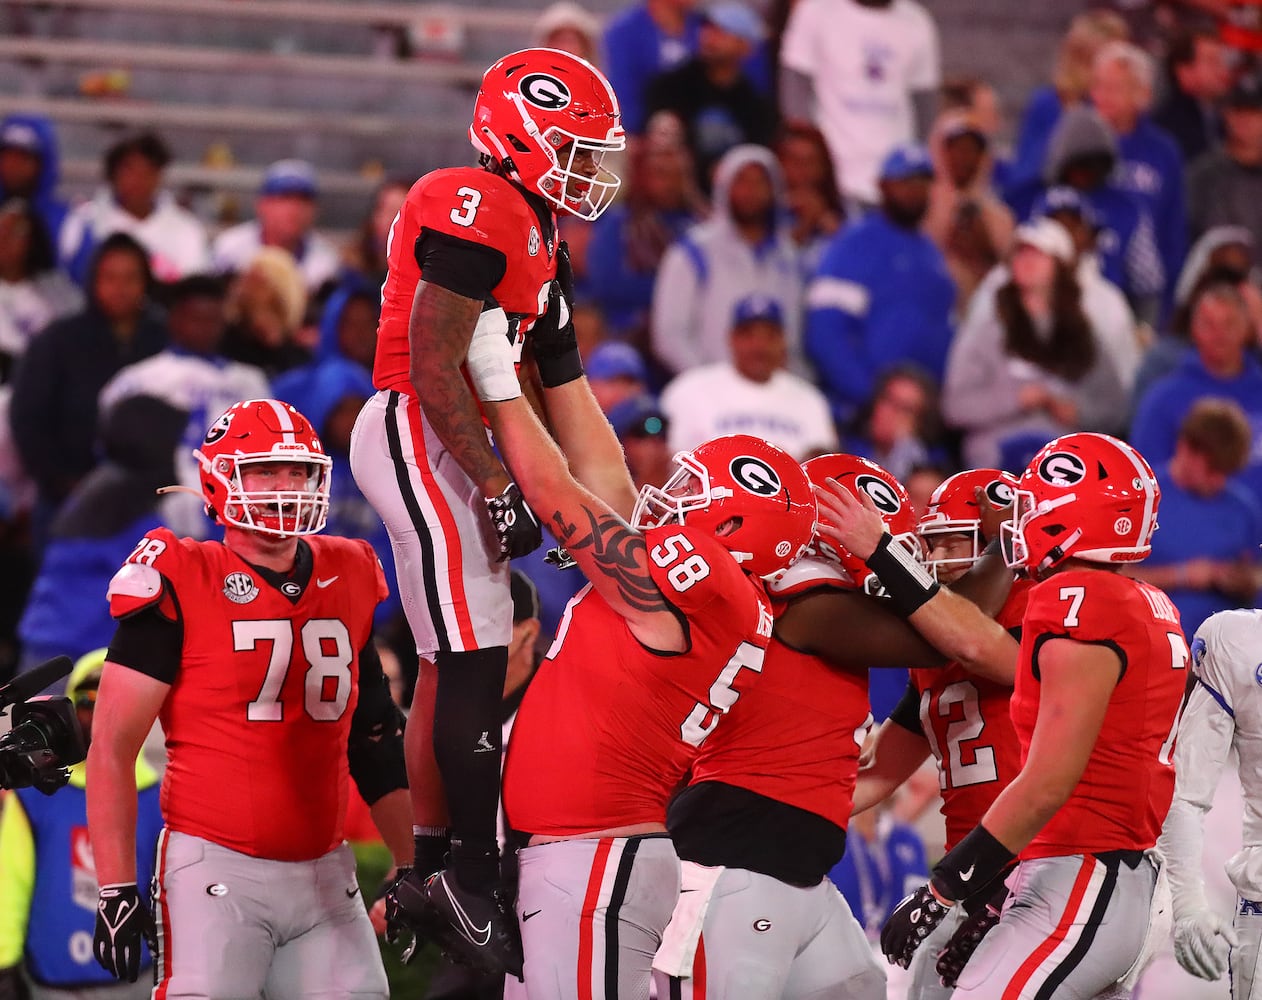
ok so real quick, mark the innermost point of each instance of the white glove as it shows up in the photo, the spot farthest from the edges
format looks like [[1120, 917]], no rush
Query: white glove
[[490, 362], [1202, 941]]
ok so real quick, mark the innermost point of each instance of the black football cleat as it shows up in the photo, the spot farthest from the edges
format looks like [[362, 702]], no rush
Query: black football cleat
[[476, 930]]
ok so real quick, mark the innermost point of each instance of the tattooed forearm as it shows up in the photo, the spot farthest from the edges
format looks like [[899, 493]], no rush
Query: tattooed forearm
[[619, 554], [439, 333]]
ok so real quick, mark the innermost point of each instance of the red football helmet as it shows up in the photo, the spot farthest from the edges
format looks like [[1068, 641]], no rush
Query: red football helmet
[[953, 509], [539, 105], [859, 476], [1084, 495], [741, 477], [255, 432]]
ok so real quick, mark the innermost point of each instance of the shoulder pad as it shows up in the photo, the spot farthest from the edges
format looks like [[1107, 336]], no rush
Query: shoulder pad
[[133, 588], [807, 574]]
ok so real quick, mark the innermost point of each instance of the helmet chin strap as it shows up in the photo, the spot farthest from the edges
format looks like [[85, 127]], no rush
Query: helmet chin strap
[[1056, 554]]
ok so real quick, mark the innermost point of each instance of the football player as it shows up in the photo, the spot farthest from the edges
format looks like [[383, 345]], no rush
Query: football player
[[1219, 715], [960, 718], [1097, 693], [256, 654], [764, 816], [647, 660], [474, 248]]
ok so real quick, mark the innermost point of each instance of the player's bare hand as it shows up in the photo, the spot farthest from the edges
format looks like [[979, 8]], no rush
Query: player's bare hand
[[991, 516], [852, 522]]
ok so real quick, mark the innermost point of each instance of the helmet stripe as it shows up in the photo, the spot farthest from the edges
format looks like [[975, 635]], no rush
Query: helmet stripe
[[286, 421], [1141, 472]]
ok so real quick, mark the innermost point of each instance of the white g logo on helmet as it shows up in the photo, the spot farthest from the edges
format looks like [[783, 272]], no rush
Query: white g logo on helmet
[[999, 493], [755, 475], [1062, 468], [544, 91], [880, 492]]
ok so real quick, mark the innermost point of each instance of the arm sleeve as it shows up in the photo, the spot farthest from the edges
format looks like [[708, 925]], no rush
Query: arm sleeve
[[907, 712], [17, 879], [675, 324], [374, 749], [150, 643], [460, 266]]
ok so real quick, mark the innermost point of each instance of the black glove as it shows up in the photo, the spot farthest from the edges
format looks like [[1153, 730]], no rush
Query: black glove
[[122, 923], [983, 914], [515, 523], [398, 929], [912, 921], [12, 985], [555, 342], [560, 557]]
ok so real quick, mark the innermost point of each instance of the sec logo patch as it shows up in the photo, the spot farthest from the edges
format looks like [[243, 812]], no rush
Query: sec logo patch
[[240, 588]]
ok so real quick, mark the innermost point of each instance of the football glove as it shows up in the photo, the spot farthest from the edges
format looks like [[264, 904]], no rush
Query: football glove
[[515, 523], [122, 923], [1202, 942], [912, 921], [398, 930], [982, 916]]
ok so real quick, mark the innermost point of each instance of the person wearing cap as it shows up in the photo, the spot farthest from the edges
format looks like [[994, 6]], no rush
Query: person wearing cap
[[616, 372], [30, 168], [48, 889], [751, 393], [867, 73], [1031, 368], [644, 430], [966, 218], [1150, 166], [134, 202], [882, 294], [1198, 78], [284, 217], [746, 247], [711, 94], [569, 27], [1225, 185]]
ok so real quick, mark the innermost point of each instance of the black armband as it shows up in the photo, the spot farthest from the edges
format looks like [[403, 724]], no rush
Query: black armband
[[150, 644], [907, 585], [906, 713], [971, 866], [559, 370]]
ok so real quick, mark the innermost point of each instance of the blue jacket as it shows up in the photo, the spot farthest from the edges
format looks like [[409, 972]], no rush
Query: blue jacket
[[882, 295], [874, 876], [1042, 112], [50, 207], [1151, 169], [1164, 406], [635, 50]]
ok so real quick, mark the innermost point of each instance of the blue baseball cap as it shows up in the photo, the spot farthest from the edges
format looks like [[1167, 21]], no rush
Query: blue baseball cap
[[290, 177], [639, 416], [1063, 198], [757, 307], [736, 19], [905, 161], [615, 360]]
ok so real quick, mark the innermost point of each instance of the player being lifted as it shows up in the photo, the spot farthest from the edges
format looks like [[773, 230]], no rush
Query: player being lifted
[[1098, 686], [473, 248], [257, 655]]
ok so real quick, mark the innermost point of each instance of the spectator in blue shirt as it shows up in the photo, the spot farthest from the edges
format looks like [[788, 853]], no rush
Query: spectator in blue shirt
[[1219, 363], [1205, 555], [1151, 166], [30, 169], [641, 42], [882, 294]]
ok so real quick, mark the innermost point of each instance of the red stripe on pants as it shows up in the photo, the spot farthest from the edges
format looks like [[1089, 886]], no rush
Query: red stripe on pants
[[586, 920], [1050, 943], [161, 991], [451, 536]]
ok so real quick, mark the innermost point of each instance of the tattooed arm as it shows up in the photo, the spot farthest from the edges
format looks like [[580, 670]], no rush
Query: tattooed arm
[[612, 555], [439, 333]]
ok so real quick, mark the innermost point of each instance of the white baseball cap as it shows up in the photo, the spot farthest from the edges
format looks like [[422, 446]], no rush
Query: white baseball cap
[[1047, 235]]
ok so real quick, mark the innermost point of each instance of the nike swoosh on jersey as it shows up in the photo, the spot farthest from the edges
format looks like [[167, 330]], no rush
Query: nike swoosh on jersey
[[324, 583], [532, 913]]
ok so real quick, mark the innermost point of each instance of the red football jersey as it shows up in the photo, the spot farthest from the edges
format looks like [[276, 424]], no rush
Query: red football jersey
[[1123, 796], [257, 719], [967, 723], [475, 205], [608, 728], [796, 738]]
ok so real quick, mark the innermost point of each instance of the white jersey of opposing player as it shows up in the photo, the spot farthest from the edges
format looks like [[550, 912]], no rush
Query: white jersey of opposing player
[[1226, 711]]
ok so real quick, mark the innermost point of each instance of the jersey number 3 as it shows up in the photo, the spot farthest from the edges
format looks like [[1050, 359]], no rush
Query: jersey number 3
[[468, 210], [326, 645]]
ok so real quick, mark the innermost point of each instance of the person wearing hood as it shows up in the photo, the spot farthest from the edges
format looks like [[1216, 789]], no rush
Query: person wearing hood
[[1224, 253], [1225, 185], [97, 528], [134, 202], [30, 168], [48, 889], [1082, 154], [55, 389], [882, 294], [746, 247], [1150, 165], [191, 375], [1220, 362]]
